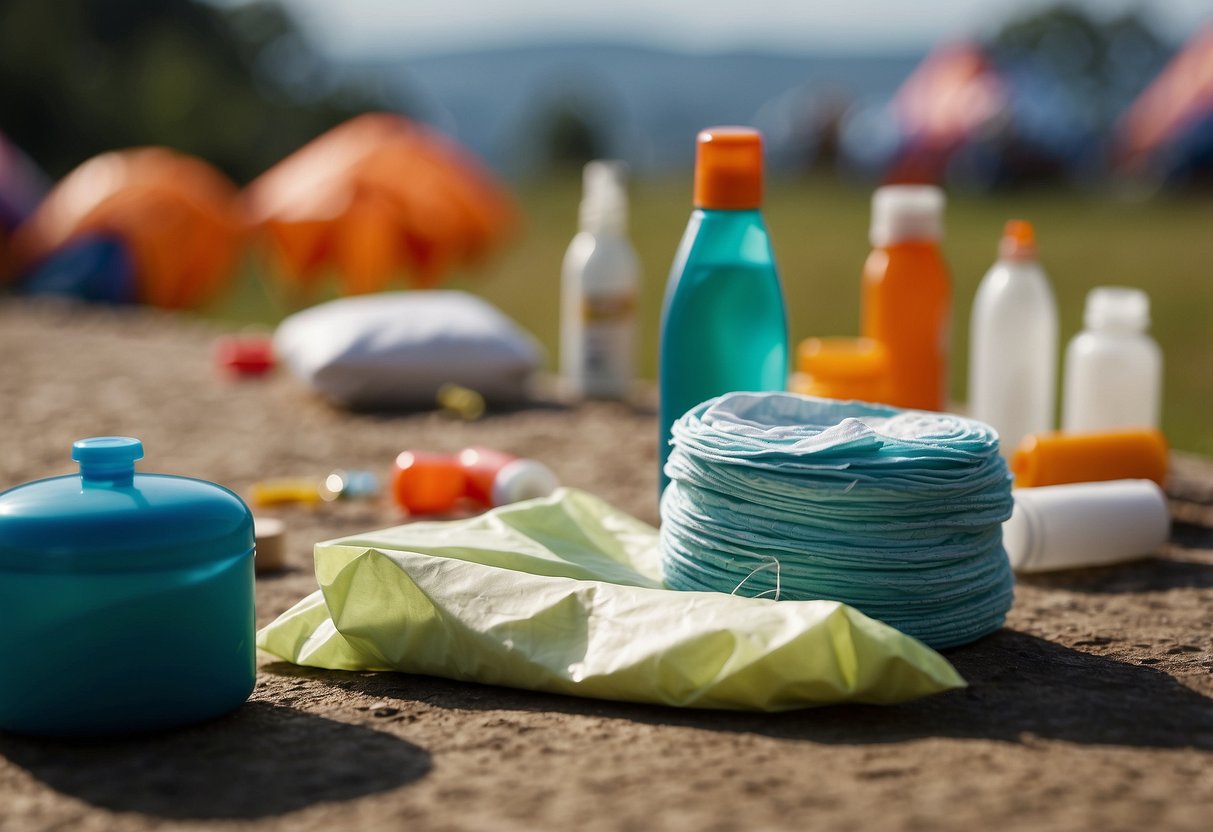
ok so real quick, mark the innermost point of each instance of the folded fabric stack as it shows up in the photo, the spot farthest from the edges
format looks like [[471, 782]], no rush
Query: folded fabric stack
[[897, 513]]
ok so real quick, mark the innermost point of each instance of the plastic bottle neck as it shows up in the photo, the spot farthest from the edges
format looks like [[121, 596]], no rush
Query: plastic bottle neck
[[1117, 328], [1010, 254], [917, 244], [1110, 324], [1020, 270], [1117, 311], [604, 220], [601, 226], [906, 213], [726, 224], [727, 214], [604, 203], [111, 475]]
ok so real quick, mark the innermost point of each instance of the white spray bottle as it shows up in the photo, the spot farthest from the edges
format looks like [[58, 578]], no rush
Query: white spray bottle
[[599, 285]]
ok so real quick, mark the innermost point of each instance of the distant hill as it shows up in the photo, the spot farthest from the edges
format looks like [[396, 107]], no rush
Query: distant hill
[[641, 104]]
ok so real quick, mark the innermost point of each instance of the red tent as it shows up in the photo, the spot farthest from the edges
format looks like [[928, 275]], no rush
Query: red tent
[[951, 96], [1179, 98]]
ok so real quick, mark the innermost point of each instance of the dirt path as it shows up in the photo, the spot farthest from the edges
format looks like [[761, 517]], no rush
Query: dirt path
[[1092, 709]]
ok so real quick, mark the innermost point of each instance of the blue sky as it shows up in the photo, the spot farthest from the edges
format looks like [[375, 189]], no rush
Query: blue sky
[[350, 28]]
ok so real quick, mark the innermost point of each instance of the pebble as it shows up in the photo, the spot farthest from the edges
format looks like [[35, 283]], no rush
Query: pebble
[[383, 709]]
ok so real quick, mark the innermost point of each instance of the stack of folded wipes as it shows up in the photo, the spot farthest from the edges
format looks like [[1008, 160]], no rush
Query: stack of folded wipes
[[897, 513]]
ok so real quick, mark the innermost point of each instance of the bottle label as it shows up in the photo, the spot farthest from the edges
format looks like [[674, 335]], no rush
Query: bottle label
[[608, 336], [605, 308]]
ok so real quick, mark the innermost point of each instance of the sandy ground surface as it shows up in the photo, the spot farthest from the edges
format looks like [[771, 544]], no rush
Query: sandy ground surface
[[1090, 710]]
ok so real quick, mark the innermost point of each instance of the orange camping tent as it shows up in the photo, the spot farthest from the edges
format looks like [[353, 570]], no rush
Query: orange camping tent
[[378, 196]]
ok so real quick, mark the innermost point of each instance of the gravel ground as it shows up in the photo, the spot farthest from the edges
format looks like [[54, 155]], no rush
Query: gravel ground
[[1090, 710]]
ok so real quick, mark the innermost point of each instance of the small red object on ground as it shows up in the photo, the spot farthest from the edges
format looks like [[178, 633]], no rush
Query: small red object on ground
[[245, 355]]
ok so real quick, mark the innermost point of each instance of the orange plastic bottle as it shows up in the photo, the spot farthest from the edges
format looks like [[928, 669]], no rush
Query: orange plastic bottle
[[1058, 457], [906, 300]]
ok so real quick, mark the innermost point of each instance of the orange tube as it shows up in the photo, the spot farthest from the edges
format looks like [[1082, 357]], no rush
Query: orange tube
[[1058, 457], [428, 483]]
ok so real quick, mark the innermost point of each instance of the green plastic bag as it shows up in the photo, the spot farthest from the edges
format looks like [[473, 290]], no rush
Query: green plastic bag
[[564, 594]]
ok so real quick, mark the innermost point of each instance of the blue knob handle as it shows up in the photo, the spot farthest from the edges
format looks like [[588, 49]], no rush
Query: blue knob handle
[[107, 458]]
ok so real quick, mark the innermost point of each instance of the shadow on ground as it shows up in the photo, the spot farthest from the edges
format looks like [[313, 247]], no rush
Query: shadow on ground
[[1184, 562], [261, 761], [1148, 575], [1020, 686]]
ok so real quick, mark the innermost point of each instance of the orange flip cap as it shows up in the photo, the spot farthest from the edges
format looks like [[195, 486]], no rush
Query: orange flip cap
[[1060, 457], [728, 168], [1018, 240]]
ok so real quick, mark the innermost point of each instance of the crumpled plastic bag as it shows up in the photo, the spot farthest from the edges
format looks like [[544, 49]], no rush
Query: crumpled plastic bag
[[563, 594]]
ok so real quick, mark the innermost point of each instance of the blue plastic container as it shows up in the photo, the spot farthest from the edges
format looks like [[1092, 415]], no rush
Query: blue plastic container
[[127, 598]]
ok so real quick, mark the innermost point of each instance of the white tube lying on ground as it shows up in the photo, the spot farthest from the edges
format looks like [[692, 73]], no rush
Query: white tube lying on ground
[[1085, 524]]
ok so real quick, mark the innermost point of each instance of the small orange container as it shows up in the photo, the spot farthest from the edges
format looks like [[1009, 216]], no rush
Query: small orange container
[[841, 368], [1059, 457]]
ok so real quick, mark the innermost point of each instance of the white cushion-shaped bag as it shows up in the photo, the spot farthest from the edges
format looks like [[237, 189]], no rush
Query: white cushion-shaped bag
[[396, 349]]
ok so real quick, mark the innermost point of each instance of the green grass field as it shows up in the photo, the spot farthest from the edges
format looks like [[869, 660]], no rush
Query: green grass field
[[819, 228]]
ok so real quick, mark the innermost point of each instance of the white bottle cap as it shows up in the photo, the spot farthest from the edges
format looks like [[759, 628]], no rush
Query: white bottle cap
[[906, 212], [1085, 524], [604, 199], [1117, 307], [522, 479]]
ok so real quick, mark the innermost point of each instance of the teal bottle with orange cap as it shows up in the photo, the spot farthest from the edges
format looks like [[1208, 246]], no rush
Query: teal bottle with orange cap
[[723, 325]]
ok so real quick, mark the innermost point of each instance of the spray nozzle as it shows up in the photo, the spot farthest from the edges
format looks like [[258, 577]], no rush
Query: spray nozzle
[[604, 199]]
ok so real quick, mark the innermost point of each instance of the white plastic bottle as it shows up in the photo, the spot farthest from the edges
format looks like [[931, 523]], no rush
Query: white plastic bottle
[[1113, 367], [1085, 524], [1013, 342], [599, 285]]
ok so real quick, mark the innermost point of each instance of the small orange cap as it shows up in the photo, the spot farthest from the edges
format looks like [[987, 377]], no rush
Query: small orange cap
[[1018, 241], [728, 168]]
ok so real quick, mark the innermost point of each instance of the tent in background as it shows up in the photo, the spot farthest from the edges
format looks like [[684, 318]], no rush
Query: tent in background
[[378, 197], [1167, 133], [148, 225], [22, 186], [962, 118]]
